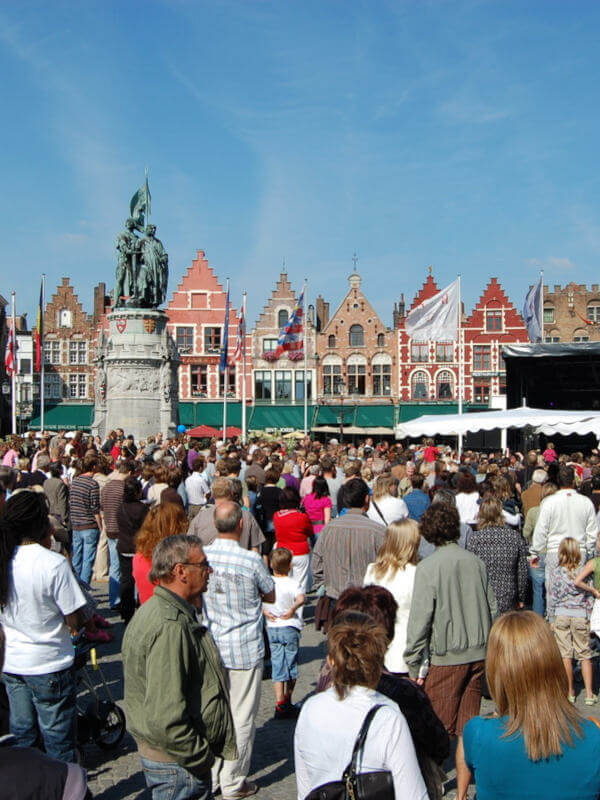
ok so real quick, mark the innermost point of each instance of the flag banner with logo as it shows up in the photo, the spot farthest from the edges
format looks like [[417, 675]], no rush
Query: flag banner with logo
[[436, 319], [291, 338], [10, 355], [241, 336]]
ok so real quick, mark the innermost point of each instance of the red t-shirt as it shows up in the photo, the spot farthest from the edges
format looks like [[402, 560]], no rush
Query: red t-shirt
[[292, 529], [431, 453], [141, 569]]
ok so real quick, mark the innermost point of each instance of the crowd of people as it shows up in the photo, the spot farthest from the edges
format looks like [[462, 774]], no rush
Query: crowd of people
[[420, 565]]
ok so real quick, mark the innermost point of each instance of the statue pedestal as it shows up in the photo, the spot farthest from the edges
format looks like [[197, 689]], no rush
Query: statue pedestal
[[136, 382]]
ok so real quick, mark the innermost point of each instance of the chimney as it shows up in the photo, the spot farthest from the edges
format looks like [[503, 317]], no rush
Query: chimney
[[101, 301], [322, 313]]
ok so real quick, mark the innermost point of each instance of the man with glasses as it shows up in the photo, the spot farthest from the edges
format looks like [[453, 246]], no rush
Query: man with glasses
[[176, 694]]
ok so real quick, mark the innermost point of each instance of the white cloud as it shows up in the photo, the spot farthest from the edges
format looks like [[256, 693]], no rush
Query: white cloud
[[554, 264]]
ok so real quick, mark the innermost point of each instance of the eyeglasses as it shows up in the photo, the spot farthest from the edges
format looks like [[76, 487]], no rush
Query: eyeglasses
[[201, 564]]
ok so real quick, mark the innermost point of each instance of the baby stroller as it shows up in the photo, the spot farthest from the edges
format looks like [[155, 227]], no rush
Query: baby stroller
[[99, 718]]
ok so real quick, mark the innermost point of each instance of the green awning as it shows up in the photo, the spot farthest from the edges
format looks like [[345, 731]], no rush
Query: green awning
[[375, 416], [210, 413], [410, 411], [330, 415], [65, 416], [279, 417]]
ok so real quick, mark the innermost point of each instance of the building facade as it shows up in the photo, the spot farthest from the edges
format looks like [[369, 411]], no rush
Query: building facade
[[429, 371], [356, 352], [69, 338], [572, 313], [196, 314], [281, 380]]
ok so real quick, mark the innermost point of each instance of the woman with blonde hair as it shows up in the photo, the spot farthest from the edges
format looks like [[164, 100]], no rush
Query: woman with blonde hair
[[330, 721], [538, 745], [394, 569], [504, 553], [164, 519], [385, 506]]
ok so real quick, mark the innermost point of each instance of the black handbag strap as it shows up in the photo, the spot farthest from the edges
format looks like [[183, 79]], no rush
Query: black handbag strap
[[378, 510], [350, 771]]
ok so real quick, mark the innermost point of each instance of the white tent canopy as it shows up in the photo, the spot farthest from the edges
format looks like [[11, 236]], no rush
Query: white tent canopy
[[543, 420]]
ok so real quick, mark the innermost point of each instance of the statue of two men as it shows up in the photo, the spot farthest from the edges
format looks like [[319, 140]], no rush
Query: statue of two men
[[142, 268]]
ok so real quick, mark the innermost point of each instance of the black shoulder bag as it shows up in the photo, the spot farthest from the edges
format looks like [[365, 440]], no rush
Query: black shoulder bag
[[377, 785]]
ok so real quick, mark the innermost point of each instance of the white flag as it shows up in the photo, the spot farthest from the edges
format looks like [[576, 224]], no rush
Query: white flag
[[532, 311], [437, 318]]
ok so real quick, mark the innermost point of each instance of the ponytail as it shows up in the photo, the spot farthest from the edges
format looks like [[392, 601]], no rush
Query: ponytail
[[24, 516]]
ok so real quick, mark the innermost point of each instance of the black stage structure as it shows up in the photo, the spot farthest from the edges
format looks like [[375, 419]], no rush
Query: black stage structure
[[559, 375]]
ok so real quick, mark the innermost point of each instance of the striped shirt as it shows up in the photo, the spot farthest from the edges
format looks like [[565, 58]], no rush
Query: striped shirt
[[84, 503], [111, 500], [233, 605], [345, 548]]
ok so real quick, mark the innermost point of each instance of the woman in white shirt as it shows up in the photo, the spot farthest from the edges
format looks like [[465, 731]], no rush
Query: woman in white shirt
[[467, 499], [329, 722], [385, 505], [395, 569]]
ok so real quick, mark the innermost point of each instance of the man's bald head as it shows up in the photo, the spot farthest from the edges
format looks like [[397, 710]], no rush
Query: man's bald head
[[228, 518]]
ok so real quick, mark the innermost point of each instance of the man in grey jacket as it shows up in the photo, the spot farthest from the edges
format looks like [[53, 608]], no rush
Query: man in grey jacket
[[451, 613]]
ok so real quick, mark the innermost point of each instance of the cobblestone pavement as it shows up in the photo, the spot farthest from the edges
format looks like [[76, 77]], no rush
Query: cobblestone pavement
[[117, 775]]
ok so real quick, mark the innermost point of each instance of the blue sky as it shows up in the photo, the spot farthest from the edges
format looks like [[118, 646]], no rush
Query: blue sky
[[458, 134]]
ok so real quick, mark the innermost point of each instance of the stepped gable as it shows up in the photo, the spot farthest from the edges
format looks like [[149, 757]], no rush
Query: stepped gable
[[494, 297], [426, 291], [199, 276], [283, 292], [65, 298]]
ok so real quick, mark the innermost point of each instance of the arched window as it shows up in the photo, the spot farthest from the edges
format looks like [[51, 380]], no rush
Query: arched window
[[332, 375], [581, 335], [380, 340], [593, 311], [356, 336], [356, 369], [381, 367], [420, 385], [331, 341], [444, 385], [282, 317]]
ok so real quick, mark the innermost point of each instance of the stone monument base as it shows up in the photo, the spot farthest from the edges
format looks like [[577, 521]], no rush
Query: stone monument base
[[136, 381]]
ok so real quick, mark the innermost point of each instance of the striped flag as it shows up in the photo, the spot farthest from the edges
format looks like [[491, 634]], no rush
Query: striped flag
[[241, 334], [291, 338], [10, 355], [39, 331], [225, 342]]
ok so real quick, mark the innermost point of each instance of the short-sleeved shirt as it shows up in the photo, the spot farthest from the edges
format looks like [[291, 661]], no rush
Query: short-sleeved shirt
[[292, 530], [203, 526], [233, 604], [503, 769], [43, 590], [286, 592], [315, 508]]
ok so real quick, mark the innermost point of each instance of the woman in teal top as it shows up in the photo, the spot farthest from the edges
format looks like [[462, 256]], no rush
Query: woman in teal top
[[538, 746]]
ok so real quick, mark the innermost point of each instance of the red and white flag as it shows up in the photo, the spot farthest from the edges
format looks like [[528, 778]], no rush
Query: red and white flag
[[10, 356], [436, 319], [291, 337]]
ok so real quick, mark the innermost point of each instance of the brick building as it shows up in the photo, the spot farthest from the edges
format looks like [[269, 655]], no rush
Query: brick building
[[69, 338], [572, 313], [196, 318], [356, 352], [280, 380], [428, 371]]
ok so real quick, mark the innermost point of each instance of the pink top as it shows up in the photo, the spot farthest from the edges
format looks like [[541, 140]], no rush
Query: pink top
[[549, 455], [10, 459], [306, 485], [315, 508]]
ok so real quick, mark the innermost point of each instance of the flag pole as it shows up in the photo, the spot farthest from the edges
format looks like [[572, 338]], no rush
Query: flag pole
[[460, 363], [305, 358], [225, 346], [13, 377], [541, 305], [243, 343], [42, 369]]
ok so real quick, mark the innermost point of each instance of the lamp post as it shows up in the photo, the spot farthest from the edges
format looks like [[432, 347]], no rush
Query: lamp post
[[340, 390]]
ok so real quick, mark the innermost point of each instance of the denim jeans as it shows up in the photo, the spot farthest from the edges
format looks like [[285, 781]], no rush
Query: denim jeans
[[538, 585], [114, 573], [172, 782], [47, 701], [284, 642], [84, 553]]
